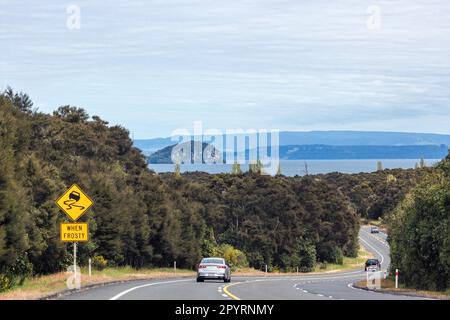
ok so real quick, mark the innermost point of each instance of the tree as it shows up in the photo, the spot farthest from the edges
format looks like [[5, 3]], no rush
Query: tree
[[419, 232], [279, 170], [379, 166], [177, 170], [71, 114], [236, 168], [256, 167], [141, 219], [234, 257], [20, 100], [422, 163], [306, 169]]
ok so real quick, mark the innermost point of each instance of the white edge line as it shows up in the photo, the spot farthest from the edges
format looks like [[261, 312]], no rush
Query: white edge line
[[378, 252], [121, 294]]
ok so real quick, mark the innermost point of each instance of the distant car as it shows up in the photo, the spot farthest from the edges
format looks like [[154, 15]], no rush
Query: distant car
[[213, 268], [372, 265], [374, 230]]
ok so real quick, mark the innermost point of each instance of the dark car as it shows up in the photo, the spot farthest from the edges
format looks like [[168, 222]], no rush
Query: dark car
[[374, 230], [372, 264]]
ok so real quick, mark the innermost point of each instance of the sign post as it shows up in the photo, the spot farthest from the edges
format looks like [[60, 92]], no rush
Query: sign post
[[74, 202], [75, 259], [396, 278]]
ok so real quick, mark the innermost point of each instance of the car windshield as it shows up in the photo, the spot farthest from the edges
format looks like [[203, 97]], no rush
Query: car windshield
[[213, 261]]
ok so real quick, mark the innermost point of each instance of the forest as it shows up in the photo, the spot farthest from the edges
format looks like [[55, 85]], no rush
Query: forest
[[142, 219], [419, 232]]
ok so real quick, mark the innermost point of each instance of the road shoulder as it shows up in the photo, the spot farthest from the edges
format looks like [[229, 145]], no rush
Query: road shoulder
[[403, 292]]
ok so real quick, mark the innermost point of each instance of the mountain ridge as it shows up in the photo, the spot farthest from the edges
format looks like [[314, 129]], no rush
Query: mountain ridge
[[328, 152], [333, 138]]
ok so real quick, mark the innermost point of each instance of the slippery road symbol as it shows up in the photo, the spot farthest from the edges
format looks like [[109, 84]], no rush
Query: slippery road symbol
[[74, 202], [74, 197]]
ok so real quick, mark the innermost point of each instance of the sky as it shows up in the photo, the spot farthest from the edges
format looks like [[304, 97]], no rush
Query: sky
[[158, 65]]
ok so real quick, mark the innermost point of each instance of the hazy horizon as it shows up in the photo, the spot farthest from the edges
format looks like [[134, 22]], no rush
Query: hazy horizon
[[310, 131]]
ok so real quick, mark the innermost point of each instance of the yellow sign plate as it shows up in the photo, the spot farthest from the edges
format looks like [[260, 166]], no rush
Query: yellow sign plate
[[74, 202], [74, 232]]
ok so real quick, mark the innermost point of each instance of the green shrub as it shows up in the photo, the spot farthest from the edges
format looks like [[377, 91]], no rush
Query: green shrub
[[5, 282], [323, 265], [420, 234], [99, 263], [235, 258]]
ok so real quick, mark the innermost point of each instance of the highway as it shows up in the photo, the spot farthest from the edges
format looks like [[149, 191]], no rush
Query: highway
[[325, 286]]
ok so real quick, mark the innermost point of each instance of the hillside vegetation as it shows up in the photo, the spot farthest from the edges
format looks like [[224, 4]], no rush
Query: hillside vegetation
[[375, 195], [420, 232], [138, 219], [321, 152], [141, 219]]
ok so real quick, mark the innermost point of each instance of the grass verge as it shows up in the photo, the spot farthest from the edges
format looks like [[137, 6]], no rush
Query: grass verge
[[37, 287]]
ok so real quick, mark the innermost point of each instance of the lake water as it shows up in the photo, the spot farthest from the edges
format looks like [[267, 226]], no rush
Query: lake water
[[297, 167]]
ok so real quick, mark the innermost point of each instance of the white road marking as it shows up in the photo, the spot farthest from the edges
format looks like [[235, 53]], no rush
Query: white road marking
[[381, 240], [378, 252], [350, 285], [121, 294], [224, 295]]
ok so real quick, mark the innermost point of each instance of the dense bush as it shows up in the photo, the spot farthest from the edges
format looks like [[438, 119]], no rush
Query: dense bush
[[143, 219], [99, 263], [234, 257], [278, 221], [420, 233], [375, 195]]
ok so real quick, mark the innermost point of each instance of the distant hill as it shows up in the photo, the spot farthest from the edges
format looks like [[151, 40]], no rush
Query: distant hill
[[363, 138], [320, 152], [165, 154], [327, 152], [149, 146], [331, 138]]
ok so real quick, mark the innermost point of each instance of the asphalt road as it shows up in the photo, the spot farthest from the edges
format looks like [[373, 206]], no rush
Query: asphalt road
[[304, 287]]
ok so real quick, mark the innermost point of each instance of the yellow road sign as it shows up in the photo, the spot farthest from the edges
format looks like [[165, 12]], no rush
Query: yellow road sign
[[74, 232], [74, 202]]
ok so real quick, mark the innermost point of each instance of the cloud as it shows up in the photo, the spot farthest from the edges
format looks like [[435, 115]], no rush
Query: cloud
[[257, 63]]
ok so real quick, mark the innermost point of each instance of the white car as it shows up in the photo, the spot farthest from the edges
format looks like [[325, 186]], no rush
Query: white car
[[213, 268]]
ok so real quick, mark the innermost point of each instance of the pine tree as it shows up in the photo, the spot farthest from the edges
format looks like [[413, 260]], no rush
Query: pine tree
[[177, 171], [236, 168], [379, 166], [255, 167], [279, 170], [422, 163]]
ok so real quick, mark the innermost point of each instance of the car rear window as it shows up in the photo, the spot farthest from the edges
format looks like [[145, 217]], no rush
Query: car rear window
[[215, 261]]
